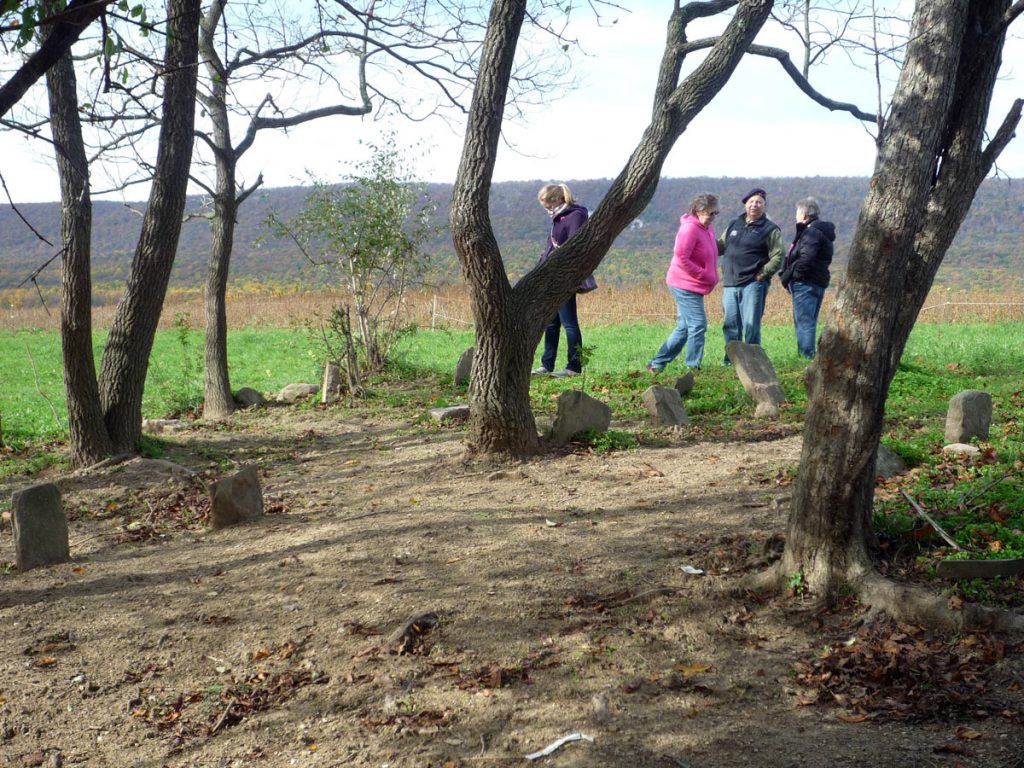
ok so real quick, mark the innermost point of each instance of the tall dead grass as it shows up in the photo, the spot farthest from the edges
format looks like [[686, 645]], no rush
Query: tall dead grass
[[449, 307]]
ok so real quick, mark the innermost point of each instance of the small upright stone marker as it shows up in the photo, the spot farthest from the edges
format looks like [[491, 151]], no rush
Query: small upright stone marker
[[464, 368], [969, 416], [236, 499], [888, 463], [665, 407], [40, 527], [684, 384], [331, 390], [757, 374], [578, 412]]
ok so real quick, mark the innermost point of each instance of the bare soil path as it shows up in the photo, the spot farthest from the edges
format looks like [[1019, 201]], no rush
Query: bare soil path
[[397, 607]]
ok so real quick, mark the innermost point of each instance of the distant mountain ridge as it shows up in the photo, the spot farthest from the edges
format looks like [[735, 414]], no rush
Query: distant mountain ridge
[[988, 252]]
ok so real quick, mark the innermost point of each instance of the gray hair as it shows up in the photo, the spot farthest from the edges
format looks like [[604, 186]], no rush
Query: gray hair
[[809, 206], [705, 201]]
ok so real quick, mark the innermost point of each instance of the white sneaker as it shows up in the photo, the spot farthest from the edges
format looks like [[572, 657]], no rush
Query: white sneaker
[[564, 372], [542, 371]]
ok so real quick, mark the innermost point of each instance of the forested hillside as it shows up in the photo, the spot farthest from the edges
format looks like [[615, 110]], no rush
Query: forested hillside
[[989, 251]]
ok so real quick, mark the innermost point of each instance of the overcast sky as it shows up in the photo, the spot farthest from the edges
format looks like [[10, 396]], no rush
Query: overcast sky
[[759, 125]]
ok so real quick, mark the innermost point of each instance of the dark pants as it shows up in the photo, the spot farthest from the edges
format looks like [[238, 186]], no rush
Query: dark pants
[[567, 319], [806, 305]]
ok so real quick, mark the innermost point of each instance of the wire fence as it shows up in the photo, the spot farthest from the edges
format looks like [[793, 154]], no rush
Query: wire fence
[[450, 308]]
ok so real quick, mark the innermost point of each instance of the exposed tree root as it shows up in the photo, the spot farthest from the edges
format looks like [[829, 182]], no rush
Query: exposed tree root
[[906, 602], [916, 605]]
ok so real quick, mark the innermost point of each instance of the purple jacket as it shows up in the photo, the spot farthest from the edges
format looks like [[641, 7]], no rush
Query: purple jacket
[[564, 225]]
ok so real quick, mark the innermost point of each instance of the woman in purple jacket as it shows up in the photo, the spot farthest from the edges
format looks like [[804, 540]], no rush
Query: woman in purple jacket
[[691, 276], [566, 219]]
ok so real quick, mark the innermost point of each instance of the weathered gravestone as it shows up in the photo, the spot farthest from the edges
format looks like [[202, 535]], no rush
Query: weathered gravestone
[[665, 406], [578, 412], [236, 499], [331, 389], [40, 527], [757, 374], [684, 384], [452, 414], [247, 397], [888, 463], [295, 392], [464, 368], [961, 449], [969, 416]]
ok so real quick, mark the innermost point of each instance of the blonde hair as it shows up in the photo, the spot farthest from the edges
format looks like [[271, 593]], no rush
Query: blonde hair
[[555, 193]]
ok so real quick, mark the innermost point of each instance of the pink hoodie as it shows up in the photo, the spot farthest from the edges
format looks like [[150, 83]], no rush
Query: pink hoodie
[[694, 264]]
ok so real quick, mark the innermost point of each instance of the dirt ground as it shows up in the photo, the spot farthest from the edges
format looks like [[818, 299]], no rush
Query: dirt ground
[[398, 607]]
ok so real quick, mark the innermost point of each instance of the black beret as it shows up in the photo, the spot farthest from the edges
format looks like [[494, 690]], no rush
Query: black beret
[[755, 191]]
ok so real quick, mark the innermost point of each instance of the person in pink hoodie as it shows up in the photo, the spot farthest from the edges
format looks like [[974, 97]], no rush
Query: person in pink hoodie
[[692, 275]]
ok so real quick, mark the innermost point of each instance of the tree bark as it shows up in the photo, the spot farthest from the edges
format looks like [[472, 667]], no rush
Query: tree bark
[[63, 33], [510, 320], [218, 402], [929, 167], [126, 356], [87, 431]]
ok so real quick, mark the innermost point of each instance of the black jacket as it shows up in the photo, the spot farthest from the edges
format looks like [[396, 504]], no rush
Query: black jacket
[[747, 249], [810, 254]]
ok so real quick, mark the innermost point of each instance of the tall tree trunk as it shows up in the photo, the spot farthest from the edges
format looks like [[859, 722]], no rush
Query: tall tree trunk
[[87, 430], [509, 321], [126, 357], [218, 402], [929, 167]]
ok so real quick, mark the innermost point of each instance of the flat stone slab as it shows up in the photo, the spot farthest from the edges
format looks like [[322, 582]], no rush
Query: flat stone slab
[[965, 448], [40, 527], [453, 414], [979, 569], [757, 375], [295, 392]]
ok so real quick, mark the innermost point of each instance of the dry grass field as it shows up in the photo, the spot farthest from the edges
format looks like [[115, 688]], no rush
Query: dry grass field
[[449, 306]]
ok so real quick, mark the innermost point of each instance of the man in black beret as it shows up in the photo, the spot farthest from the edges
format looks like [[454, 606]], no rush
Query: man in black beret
[[751, 249]]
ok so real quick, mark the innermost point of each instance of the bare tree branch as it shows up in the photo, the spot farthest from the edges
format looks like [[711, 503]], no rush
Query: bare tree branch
[[795, 75], [68, 27]]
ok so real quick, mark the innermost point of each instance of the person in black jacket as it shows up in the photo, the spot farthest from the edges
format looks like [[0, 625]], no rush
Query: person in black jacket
[[805, 273], [751, 249]]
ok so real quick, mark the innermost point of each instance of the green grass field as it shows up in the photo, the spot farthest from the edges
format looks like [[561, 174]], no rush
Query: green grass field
[[940, 360], [981, 501]]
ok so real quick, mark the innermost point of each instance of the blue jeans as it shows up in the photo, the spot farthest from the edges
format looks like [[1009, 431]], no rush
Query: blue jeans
[[806, 304], [566, 318], [691, 324], [743, 307]]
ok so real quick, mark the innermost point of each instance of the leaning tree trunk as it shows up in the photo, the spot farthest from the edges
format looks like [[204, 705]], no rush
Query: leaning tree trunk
[[126, 357], [510, 321], [929, 167], [86, 429]]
